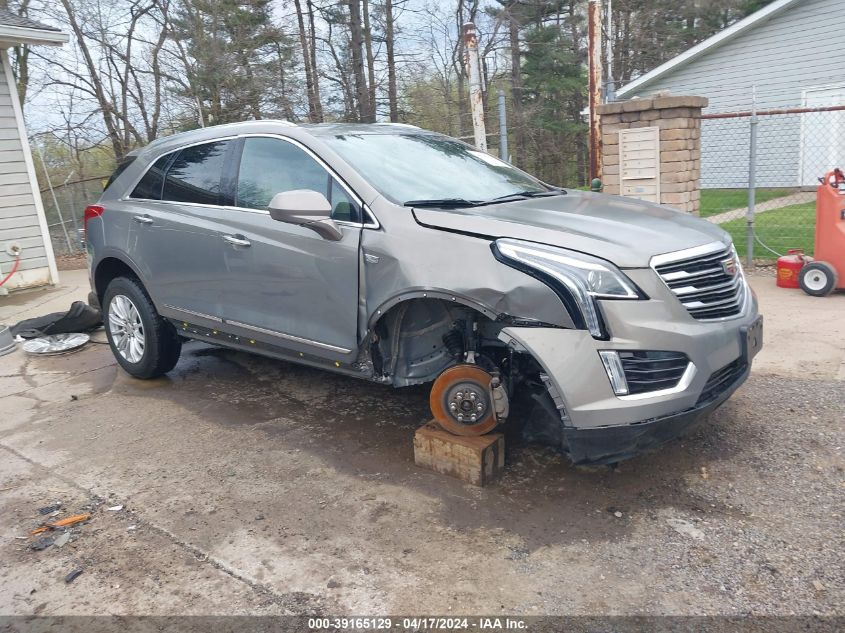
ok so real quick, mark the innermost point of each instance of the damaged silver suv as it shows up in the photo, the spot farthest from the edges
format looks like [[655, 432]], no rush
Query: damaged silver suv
[[401, 256]]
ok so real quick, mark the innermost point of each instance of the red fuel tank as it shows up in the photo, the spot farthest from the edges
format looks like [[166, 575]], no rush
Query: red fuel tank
[[789, 266]]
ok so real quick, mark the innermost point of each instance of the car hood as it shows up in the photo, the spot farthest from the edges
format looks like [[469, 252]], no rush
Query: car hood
[[625, 231]]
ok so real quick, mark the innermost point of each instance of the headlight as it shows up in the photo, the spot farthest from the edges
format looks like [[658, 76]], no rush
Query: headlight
[[585, 278]]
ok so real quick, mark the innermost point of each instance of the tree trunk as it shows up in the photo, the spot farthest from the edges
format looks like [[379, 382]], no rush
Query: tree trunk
[[310, 87], [315, 76], [517, 123], [371, 64], [389, 36], [361, 90]]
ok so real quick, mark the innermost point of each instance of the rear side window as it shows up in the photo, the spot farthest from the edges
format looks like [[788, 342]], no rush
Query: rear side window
[[149, 187], [121, 167], [196, 173]]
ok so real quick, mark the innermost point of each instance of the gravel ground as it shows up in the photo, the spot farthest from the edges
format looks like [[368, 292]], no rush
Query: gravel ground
[[260, 487]]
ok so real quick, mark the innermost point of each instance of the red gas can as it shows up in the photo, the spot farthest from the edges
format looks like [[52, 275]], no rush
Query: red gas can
[[789, 266]]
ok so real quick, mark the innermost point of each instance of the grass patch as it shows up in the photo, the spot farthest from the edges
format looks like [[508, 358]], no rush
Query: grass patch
[[780, 230], [715, 201]]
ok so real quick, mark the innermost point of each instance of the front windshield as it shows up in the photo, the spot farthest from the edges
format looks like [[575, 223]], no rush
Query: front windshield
[[418, 167]]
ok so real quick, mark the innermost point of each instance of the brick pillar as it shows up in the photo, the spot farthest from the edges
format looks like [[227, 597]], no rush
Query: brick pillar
[[679, 122]]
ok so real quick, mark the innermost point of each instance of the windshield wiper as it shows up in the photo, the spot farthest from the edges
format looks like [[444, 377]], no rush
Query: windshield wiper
[[443, 203], [521, 195]]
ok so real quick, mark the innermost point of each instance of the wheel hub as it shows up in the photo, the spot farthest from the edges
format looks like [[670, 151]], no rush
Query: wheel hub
[[461, 400], [467, 403]]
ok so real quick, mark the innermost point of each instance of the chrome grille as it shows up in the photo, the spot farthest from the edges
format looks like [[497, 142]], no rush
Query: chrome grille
[[703, 282]]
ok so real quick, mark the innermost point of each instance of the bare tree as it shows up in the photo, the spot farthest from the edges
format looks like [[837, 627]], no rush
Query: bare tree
[[389, 37], [357, 42], [309, 56]]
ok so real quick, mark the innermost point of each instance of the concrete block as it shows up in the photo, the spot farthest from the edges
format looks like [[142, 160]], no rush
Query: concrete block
[[678, 113], [636, 105], [475, 460], [676, 187], [672, 146], [675, 167], [610, 158], [667, 177], [610, 119], [610, 139], [610, 170], [676, 123], [679, 101], [675, 199], [675, 156], [676, 134], [609, 128], [610, 180], [629, 117]]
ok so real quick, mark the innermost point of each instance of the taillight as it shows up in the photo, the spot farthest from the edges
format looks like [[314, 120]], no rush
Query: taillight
[[92, 211]]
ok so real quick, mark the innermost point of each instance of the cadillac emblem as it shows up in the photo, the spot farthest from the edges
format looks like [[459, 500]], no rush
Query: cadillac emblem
[[729, 266]]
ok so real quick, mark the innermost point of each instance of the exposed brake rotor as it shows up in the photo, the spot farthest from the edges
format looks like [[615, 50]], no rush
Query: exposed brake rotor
[[461, 400]]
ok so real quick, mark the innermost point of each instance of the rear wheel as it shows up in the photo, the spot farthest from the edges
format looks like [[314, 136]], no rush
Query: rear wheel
[[817, 279], [143, 343]]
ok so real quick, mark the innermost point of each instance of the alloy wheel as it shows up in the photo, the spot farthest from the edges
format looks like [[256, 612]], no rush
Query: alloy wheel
[[126, 328]]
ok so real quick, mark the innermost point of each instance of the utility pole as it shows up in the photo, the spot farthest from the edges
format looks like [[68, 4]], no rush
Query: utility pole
[[476, 96], [503, 128], [594, 72]]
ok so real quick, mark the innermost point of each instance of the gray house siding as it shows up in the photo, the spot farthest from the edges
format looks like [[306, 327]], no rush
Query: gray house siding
[[19, 217], [799, 48]]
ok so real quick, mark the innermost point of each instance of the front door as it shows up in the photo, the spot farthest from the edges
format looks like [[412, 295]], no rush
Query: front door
[[287, 285]]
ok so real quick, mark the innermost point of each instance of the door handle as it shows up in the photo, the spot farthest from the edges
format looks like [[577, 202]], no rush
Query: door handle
[[143, 219], [236, 241]]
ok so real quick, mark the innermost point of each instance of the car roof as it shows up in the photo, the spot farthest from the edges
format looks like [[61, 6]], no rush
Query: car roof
[[272, 126]]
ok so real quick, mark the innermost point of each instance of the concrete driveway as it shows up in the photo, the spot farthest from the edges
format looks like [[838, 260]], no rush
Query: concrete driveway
[[255, 486]]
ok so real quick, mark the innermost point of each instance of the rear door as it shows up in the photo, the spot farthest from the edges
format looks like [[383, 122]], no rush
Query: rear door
[[176, 230], [287, 285]]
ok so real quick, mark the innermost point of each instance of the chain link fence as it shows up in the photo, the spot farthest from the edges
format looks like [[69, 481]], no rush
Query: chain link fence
[[64, 206], [759, 172]]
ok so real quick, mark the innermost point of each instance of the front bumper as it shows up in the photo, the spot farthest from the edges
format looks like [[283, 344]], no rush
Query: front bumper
[[609, 444], [600, 426]]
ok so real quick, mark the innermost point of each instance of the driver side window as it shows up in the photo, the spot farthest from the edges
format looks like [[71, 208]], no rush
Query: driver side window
[[270, 166]]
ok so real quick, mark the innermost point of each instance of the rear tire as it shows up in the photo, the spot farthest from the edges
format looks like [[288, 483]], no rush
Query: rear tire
[[817, 279], [144, 344]]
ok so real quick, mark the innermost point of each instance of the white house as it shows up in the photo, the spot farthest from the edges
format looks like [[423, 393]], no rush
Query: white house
[[23, 226], [790, 54]]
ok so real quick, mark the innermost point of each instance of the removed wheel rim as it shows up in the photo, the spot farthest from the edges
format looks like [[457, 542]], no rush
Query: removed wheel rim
[[815, 280], [126, 328]]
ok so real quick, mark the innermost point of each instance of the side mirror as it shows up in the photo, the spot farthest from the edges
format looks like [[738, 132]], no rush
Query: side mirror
[[307, 208]]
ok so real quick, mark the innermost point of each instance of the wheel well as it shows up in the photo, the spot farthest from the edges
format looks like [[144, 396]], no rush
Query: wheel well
[[418, 338], [108, 269]]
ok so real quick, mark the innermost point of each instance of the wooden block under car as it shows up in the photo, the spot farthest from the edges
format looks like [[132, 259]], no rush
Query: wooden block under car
[[476, 460]]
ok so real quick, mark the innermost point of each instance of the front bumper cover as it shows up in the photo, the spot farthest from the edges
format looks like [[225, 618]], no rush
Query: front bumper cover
[[609, 444]]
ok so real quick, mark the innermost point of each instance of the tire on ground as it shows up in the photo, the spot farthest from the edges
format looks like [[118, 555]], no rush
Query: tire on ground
[[162, 346], [817, 279]]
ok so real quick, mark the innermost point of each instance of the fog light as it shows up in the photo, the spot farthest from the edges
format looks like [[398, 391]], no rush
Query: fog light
[[615, 373]]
